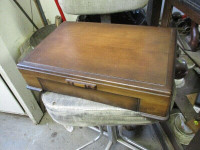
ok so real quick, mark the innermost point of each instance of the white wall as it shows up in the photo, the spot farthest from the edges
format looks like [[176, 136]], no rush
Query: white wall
[[17, 84], [15, 27], [8, 103]]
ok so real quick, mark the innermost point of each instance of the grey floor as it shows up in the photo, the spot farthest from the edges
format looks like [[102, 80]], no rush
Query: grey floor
[[19, 133]]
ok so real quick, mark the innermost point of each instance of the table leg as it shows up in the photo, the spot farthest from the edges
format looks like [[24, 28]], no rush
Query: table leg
[[194, 42], [167, 13], [153, 12], [194, 144]]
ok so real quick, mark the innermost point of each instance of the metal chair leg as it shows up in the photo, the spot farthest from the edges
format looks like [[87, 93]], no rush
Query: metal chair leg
[[129, 140], [96, 139], [121, 141], [112, 136], [110, 143], [115, 137]]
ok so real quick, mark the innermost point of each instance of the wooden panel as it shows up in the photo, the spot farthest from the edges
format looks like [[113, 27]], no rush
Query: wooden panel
[[151, 105], [32, 80], [190, 7], [115, 53], [192, 98], [155, 104], [111, 64], [90, 94], [153, 12]]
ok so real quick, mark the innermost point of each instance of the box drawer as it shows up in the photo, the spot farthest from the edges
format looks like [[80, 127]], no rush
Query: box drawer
[[91, 94], [146, 102]]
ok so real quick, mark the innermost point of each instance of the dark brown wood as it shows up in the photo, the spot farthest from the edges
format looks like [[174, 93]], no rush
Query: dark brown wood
[[95, 95], [194, 144], [190, 7], [171, 135], [194, 125], [153, 12], [123, 63], [194, 42], [167, 13]]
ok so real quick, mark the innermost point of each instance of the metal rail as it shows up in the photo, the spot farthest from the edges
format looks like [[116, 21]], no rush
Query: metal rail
[[23, 11]]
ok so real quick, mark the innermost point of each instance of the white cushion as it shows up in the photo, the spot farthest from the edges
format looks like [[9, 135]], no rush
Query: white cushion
[[72, 111], [84, 7]]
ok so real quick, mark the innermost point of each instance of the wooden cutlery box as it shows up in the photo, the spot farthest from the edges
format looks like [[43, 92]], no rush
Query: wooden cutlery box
[[127, 66]]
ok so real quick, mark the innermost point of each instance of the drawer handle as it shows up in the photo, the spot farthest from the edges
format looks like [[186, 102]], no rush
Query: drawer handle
[[81, 84]]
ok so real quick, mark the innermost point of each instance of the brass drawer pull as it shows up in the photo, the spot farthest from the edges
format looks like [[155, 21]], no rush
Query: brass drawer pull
[[81, 84]]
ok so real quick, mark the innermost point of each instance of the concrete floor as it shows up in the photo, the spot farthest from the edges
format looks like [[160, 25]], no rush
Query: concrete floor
[[19, 133]]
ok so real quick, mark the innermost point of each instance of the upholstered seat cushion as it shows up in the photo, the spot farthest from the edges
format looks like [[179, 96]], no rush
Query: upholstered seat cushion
[[84, 7], [72, 111]]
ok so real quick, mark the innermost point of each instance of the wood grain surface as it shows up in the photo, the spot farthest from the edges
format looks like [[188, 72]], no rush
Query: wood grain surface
[[132, 55], [134, 61]]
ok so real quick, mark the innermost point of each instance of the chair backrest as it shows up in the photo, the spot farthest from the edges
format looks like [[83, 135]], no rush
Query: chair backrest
[[86, 7]]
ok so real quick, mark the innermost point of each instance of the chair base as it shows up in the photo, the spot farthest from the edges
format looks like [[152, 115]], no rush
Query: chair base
[[114, 135], [94, 140]]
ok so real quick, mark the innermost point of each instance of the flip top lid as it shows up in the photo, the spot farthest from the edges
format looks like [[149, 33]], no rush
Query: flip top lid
[[133, 56]]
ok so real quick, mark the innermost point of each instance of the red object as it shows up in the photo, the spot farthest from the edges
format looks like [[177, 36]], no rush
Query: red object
[[60, 10], [184, 16]]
